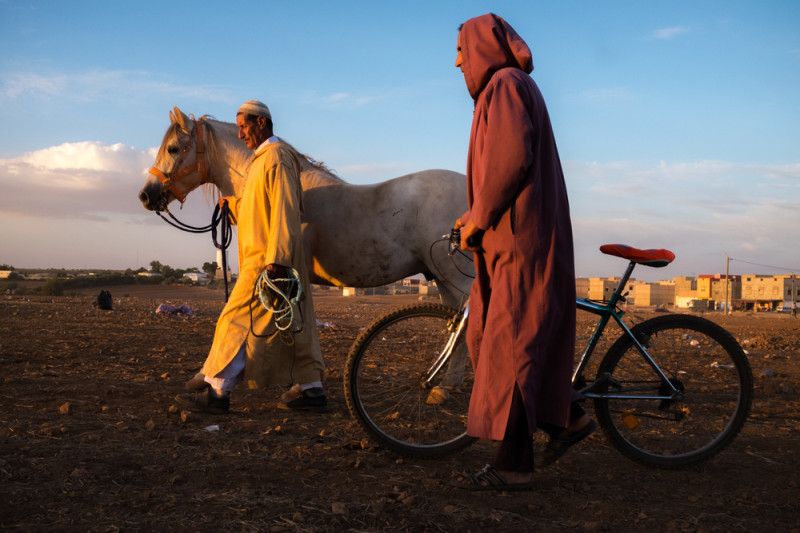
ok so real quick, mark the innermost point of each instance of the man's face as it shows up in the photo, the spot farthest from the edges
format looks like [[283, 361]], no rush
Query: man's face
[[251, 132], [459, 59]]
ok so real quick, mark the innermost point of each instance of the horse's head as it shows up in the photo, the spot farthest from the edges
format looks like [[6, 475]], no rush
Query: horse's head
[[180, 163]]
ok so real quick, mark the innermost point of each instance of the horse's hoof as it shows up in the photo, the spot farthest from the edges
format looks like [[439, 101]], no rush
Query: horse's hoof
[[438, 396]]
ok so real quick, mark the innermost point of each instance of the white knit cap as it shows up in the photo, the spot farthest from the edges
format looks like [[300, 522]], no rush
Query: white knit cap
[[254, 107]]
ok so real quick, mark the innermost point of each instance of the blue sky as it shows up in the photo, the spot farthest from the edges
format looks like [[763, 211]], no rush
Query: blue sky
[[678, 123]]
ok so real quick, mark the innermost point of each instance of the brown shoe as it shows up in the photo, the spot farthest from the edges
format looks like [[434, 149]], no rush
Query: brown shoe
[[312, 399], [292, 394], [197, 383], [204, 402]]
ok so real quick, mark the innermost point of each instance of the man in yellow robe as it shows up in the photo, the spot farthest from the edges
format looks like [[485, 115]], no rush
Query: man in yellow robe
[[247, 344]]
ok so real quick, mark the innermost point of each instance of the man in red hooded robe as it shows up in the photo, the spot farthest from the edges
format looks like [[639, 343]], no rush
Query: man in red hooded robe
[[521, 331]]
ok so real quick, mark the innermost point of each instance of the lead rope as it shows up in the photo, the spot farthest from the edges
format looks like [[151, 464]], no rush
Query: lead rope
[[222, 217]]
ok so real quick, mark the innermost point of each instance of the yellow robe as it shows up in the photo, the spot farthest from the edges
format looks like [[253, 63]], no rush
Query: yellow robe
[[268, 220]]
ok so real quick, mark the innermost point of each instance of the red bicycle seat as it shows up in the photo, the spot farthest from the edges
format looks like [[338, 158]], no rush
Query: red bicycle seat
[[653, 258]]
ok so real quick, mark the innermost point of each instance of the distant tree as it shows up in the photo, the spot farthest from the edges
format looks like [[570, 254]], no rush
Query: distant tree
[[155, 266], [6, 267], [13, 275], [168, 274], [53, 287], [210, 269]]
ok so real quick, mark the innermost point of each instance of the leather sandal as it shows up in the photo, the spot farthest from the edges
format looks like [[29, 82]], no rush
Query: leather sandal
[[489, 479]]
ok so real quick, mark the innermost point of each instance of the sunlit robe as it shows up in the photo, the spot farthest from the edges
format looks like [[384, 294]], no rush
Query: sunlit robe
[[269, 231]]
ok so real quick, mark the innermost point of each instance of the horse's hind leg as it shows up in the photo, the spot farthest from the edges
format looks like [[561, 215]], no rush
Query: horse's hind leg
[[450, 296], [453, 378]]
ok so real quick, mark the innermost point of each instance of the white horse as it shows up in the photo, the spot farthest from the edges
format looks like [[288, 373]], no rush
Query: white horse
[[355, 235]]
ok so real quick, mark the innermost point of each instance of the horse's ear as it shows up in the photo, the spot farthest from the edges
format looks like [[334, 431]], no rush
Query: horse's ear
[[180, 118], [172, 118]]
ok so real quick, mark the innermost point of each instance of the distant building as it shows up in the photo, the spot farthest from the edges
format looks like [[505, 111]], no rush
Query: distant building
[[219, 274], [363, 291], [601, 288], [581, 287], [4, 274], [149, 274], [654, 294], [404, 286], [714, 287], [197, 277], [760, 292]]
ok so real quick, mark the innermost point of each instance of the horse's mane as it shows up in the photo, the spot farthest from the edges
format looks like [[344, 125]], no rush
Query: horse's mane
[[314, 173]]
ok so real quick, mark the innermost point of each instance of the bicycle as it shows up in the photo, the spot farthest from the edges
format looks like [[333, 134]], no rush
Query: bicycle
[[672, 391]]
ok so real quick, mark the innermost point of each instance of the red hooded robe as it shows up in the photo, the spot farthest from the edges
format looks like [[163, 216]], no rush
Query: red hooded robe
[[522, 304]]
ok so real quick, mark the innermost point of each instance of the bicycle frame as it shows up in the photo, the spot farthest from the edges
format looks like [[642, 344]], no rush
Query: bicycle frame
[[606, 311]]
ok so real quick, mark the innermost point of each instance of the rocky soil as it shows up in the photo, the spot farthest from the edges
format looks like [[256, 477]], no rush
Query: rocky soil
[[90, 440]]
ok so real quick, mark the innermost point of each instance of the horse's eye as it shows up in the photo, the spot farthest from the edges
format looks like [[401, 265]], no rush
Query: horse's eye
[[172, 150]]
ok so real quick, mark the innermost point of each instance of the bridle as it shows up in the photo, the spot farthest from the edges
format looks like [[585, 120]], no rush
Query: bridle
[[169, 181]]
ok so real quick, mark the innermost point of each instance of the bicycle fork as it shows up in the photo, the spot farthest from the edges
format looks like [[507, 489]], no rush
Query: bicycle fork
[[457, 327]]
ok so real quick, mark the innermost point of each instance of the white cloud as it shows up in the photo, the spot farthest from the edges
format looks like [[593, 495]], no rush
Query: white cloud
[[94, 84], [75, 205], [81, 180], [86, 155], [345, 99], [15, 84], [701, 210], [669, 33]]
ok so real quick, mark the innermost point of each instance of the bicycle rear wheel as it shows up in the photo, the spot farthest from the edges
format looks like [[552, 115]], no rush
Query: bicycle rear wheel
[[385, 389], [701, 359]]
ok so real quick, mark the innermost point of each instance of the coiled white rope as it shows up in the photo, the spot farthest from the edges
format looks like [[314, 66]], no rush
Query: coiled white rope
[[279, 296]]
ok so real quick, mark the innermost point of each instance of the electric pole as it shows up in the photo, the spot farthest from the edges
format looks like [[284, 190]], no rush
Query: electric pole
[[727, 308]]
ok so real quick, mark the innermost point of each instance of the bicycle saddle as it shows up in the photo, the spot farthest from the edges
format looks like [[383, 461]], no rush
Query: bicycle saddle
[[653, 258]]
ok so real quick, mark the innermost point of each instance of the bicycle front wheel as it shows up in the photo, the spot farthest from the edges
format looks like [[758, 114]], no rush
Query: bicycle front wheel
[[702, 361], [388, 388]]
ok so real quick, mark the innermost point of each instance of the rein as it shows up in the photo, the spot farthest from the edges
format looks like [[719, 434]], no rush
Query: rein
[[221, 216]]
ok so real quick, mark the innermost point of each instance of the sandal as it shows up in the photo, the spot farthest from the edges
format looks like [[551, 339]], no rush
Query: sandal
[[558, 446], [489, 479]]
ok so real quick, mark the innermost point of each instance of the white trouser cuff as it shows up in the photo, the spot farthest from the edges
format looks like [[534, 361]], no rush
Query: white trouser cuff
[[232, 374]]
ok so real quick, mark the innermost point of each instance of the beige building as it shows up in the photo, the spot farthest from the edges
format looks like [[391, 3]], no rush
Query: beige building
[[767, 292], [581, 287], [602, 288], [685, 290], [661, 293]]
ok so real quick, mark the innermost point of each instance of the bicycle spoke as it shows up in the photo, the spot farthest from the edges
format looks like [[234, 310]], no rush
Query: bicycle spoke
[[384, 383], [692, 417]]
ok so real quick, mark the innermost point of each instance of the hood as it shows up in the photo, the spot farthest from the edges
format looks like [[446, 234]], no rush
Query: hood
[[488, 44]]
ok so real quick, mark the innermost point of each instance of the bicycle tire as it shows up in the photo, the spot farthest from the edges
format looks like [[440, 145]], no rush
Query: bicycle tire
[[699, 357], [382, 383]]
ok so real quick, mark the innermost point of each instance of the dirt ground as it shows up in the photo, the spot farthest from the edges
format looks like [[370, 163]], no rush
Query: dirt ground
[[89, 441]]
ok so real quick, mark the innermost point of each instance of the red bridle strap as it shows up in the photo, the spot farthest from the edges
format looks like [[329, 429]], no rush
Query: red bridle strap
[[169, 181]]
